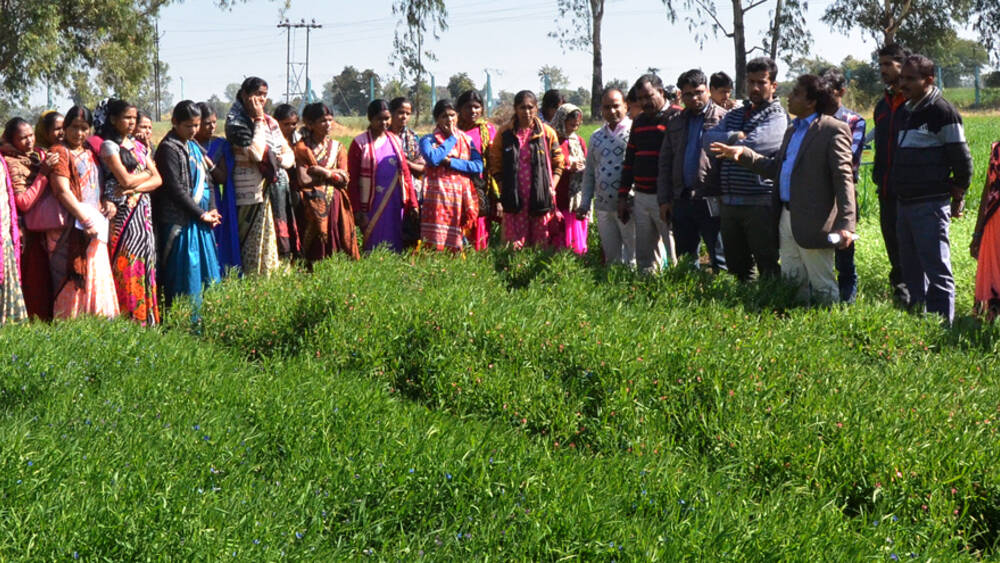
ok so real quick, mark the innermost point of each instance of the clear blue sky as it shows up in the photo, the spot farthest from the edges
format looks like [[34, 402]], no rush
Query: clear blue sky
[[210, 48]]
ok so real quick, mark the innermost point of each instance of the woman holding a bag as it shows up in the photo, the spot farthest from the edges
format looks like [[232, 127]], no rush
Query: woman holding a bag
[[327, 222], [527, 163], [29, 167], [78, 253], [380, 184]]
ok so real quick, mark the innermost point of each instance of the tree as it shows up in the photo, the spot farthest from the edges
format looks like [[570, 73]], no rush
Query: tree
[[622, 85], [557, 78], [958, 58], [348, 92], [786, 35], [232, 90], [394, 88], [914, 23], [418, 17], [216, 103], [581, 97], [579, 28], [145, 98], [865, 82], [807, 65], [459, 83], [54, 42], [987, 22]]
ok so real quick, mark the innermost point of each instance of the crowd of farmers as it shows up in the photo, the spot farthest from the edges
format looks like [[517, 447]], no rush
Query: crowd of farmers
[[97, 218]]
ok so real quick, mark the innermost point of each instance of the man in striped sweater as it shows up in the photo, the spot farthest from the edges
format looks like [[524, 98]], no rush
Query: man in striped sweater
[[639, 174], [749, 214], [931, 171]]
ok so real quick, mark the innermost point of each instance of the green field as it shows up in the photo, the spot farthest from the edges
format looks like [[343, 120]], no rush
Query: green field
[[509, 406]]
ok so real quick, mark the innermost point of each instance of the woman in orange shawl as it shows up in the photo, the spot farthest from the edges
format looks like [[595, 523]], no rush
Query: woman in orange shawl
[[326, 215]]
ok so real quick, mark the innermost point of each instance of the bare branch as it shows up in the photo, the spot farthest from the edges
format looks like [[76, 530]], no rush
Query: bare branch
[[711, 13], [754, 5]]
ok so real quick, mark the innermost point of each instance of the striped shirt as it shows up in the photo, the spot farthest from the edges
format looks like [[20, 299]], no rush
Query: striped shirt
[[642, 154], [764, 128]]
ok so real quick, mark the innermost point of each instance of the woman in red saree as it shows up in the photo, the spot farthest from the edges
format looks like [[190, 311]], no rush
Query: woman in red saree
[[985, 247]]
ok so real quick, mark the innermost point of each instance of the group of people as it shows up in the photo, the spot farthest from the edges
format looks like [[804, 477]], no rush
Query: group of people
[[99, 221], [768, 195]]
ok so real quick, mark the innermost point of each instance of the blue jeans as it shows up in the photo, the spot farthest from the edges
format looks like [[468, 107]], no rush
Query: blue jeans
[[925, 256], [692, 224], [847, 274]]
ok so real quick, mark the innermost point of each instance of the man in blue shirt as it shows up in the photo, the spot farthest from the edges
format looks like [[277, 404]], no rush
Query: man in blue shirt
[[687, 181], [815, 189]]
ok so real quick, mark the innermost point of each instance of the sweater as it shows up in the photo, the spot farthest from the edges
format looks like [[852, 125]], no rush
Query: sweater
[[764, 128], [642, 155], [932, 155]]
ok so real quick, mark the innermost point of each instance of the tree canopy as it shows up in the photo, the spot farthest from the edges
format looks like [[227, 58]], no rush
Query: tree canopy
[[103, 45]]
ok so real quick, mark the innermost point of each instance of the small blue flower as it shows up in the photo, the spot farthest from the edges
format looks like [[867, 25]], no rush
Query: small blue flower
[[612, 544], [875, 523], [197, 427], [895, 519], [298, 535], [411, 470], [30, 463], [894, 557], [447, 476], [256, 542], [76, 555]]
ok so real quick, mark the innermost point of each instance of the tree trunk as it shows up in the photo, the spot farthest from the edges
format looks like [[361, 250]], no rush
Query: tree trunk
[[740, 48], [888, 25], [776, 30], [597, 84]]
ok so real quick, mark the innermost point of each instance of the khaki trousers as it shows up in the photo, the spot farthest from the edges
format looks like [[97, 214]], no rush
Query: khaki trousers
[[811, 269]]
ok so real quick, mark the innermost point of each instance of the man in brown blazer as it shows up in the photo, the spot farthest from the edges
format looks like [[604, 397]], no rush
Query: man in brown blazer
[[815, 188]]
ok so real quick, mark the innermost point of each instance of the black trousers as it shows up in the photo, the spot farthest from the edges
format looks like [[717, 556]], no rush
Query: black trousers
[[887, 212], [750, 237]]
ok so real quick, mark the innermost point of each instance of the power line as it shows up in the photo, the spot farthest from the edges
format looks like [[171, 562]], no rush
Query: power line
[[297, 72]]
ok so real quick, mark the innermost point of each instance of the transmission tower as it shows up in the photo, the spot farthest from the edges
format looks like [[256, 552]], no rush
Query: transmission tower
[[297, 81]]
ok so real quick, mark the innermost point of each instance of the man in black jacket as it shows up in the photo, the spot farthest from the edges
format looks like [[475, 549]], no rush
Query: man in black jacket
[[889, 115], [931, 171]]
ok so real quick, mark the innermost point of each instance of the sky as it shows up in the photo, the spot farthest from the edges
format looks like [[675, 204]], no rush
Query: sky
[[208, 48]]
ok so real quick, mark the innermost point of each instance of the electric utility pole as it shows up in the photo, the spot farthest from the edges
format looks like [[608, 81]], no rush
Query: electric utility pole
[[156, 67], [297, 72]]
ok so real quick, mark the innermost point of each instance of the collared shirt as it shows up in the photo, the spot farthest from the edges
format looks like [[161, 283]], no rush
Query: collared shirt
[[692, 151], [801, 125], [858, 126]]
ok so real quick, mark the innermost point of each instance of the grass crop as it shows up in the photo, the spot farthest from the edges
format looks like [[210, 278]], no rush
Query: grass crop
[[507, 405]]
